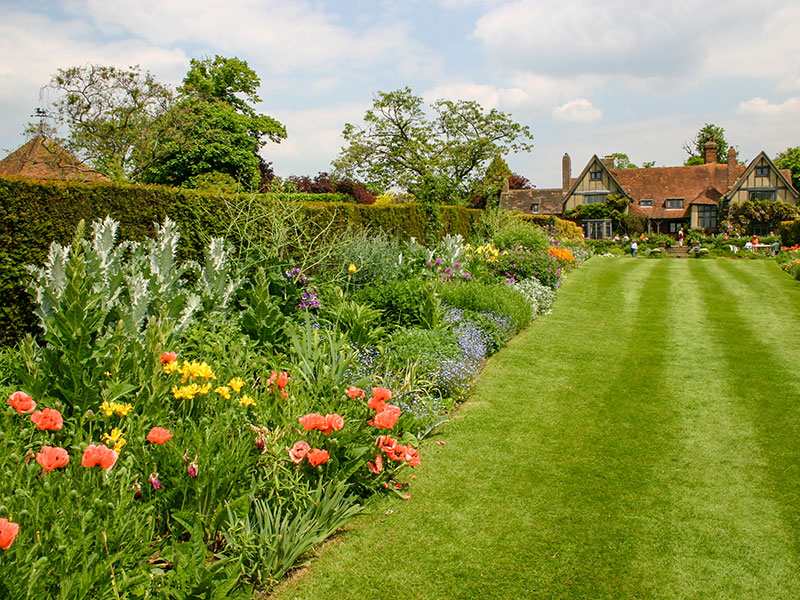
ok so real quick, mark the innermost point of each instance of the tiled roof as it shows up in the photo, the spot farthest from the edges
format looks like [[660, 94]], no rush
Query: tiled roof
[[42, 158], [698, 184], [549, 200]]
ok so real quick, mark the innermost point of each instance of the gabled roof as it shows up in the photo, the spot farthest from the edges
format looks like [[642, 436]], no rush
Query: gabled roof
[[579, 178], [42, 158], [549, 200], [659, 183], [752, 165]]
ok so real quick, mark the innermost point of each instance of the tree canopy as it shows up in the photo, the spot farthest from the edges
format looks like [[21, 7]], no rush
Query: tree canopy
[[790, 159], [439, 156], [696, 148]]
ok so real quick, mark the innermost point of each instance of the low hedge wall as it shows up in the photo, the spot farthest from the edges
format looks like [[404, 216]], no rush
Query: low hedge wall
[[35, 213], [565, 229], [789, 232]]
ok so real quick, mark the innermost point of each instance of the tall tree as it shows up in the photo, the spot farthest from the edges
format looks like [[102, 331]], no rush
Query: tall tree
[[790, 159], [107, 112], [438, 157], [696, 148], [213, 128], [621, 161]]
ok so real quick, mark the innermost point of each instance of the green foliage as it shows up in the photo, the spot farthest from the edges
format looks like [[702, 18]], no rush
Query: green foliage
[[437, 159], [633, 224], [513, 233], [496, 298], [621, 161], [759, 211], [613, 208], [790, 159], [696, 148], [262, 317], [108, 112], [560, 228], [789, 232], [403, 303], [426, 347], [516, 264], [360, 322]]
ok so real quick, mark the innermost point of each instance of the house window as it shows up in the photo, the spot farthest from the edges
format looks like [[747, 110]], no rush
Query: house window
[[535, 208], [597, 229], [706, 216], [762, 171], [595, 175], [675, 226], [673, 203], [762, 195], [646, 202], [593, 198], [761, 228]]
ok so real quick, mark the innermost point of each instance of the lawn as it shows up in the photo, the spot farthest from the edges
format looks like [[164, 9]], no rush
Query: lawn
[[642, 441]]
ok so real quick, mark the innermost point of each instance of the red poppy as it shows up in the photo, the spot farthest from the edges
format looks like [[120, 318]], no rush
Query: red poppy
[[159, 435], [98, 455], [397, 453], [412, 456], [353, 392], [385, 442], [381, 394], [21, 402], [299, 451], [333, 422], [168, 357], [8, 531], [387, 418], [376, 466], [318, 457], [48, 419], [312, 421], [272, 378], [283, 379], [52, 458], [192, 469]]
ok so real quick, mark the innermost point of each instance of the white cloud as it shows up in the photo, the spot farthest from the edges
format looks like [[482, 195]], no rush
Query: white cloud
[[579, 110], [764, 109]]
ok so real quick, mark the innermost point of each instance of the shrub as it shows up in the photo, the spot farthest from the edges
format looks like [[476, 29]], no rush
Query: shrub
[[404, 303], [523, 263], [539, 296], [499, 299], [513, 233]]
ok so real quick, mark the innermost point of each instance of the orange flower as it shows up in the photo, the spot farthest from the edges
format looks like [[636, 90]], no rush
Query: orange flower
[[159, 435], [8, 531], [283, 379], [48, 419], [299, 451], [21, 402], [318, 457], [52, 458], [387, 418], [376, 466], [353, 392], [312, 421], [412, 456], [168, 357], [98, 455], [272, 378], [385, 442], [333, 422], [379, 397], [397, 452]]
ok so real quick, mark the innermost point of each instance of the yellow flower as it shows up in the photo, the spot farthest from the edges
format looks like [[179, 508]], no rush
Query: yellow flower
[[352, 269], [107, 373], [114, 439], [196, 370], [224, 391], [122, 410], [170, 368], [246, 400], [236, 384], [107, 408]]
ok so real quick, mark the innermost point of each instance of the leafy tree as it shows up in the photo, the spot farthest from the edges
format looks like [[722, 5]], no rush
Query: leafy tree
[[790, 159], [108, 112], [323, 183], [212, 128], [438, 157], [621, 161], [696, 148], [648, 164], [613, 208]]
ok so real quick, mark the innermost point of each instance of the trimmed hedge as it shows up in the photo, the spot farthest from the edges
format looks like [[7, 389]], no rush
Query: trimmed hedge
[[565, 229], [35, 213]]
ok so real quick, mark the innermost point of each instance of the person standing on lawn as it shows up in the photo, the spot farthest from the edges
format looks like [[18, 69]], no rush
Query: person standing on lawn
[[634, 248], [681, 235]]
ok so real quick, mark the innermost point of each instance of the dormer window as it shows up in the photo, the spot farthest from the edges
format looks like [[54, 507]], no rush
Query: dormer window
[[762, 171], [535, 208], [595, 175], [646, 202], [673, 203]]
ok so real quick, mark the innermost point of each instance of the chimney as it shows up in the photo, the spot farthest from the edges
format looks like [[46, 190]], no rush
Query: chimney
[[710, 148], [608, 162], [731, 167], [566, 174]]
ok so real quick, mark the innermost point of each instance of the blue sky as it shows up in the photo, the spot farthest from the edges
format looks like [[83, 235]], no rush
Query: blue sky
[[587, 77]]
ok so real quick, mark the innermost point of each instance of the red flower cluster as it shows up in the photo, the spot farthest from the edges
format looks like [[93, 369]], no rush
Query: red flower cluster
[[325, 424], [395, 451], [281, 380], [52, 458], [302, 450], [48, 419], [159, 435], [353, 392], [21, 402], [386, 415]]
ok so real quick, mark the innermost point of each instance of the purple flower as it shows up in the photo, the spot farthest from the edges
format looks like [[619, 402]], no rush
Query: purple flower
[[192, 469], [154, 481], [438, 262]]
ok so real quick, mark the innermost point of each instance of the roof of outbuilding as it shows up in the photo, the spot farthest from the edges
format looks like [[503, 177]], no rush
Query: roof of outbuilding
[[42, 158], [549, 200]]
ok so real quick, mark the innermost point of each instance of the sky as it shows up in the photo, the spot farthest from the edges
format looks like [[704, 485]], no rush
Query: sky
[[586, 76]]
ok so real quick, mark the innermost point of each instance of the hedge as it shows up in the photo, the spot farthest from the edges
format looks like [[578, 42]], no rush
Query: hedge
[[35, 213], [789, 232], [565, 229]]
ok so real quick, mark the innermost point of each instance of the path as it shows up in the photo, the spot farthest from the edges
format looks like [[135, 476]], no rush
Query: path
[[642, 441]]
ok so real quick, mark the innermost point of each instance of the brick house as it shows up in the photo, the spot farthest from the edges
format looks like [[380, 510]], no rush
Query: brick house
[[670, 197]]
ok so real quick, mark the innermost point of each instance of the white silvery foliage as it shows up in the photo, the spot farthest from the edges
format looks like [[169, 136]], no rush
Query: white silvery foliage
[[539, 296], [48, 281], [217, 282], [451, 249]]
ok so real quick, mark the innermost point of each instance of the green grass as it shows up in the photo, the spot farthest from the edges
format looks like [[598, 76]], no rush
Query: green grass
[[642, 441]]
